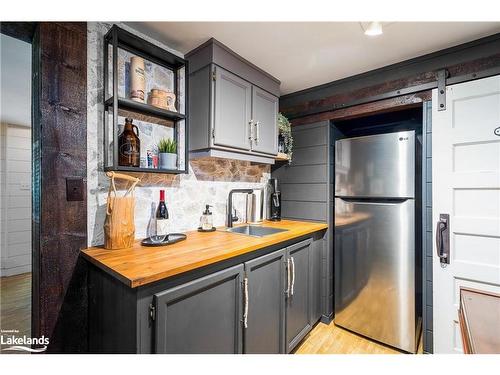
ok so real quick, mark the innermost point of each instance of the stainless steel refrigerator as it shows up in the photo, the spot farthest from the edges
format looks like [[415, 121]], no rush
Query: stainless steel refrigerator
[[375, 237]]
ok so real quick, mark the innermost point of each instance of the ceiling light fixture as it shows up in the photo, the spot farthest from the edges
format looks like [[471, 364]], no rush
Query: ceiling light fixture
[[374, 29]]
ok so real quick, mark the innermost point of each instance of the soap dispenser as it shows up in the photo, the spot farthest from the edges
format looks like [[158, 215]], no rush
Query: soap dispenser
[[206, 220]]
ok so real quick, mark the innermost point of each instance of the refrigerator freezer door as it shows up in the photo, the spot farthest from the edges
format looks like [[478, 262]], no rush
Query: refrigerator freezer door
[[376, 166], [375, 270]]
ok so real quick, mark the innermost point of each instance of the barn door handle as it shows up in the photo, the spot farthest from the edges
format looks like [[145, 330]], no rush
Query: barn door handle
[[443, 239]]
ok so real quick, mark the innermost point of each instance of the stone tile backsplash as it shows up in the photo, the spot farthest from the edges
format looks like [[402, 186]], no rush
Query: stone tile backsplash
[[208, 182]]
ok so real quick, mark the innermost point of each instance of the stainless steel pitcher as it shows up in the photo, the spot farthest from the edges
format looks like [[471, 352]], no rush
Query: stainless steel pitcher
[[255, 206]]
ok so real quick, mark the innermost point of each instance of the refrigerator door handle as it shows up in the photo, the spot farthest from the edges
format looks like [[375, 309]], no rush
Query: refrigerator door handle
[[377, 201]]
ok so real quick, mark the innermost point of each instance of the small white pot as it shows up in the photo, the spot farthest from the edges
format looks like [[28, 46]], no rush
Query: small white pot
[[167, 160]]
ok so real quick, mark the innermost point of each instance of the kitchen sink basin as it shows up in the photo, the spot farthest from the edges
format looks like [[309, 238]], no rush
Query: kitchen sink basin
[[255, 230]]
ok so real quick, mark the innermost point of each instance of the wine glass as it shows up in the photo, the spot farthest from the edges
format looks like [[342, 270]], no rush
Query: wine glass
[[152, 231]]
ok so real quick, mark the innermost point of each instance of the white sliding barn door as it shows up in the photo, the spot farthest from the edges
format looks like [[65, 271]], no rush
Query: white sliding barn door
[[466, 185]]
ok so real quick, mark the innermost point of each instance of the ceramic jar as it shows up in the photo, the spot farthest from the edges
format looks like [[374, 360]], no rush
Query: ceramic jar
[[137, 79]]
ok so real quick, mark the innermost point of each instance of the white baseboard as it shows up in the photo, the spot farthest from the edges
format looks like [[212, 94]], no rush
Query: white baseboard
[[4, 272]]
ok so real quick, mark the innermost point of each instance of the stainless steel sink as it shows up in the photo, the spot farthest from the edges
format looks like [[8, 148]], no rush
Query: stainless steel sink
[[255, 230]]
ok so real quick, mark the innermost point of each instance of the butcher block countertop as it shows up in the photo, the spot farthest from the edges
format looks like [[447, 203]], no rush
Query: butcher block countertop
[[141, 265]]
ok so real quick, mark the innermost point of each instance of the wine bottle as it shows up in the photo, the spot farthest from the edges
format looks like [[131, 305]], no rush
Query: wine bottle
[[162, 216]]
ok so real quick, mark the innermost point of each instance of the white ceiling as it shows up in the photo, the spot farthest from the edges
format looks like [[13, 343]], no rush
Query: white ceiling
[[306, 54], [15, 81]]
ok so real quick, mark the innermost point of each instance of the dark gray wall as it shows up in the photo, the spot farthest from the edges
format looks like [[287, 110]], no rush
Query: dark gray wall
[[307, 190], [427, 227]]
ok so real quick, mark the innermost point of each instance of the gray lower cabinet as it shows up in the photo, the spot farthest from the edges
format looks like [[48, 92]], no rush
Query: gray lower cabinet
[[278, 302], [264, 315], [265, 304], [232, 110], [202, 316], [299, 301]]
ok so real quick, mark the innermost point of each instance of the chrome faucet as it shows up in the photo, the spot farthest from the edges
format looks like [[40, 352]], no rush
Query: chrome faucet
[[230, 217]]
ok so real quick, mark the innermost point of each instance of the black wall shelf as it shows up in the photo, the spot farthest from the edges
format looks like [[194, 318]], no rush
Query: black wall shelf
[[121, 168], [116, 39], [145, 109]]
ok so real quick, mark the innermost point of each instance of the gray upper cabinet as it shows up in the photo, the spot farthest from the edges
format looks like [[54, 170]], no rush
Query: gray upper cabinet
[[265, 317], [233, 106], [232, 110], [299, 301], [202, 316], [264, 116]]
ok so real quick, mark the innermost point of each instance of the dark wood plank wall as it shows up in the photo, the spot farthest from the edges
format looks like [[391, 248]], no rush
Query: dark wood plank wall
[[331, 100], [60, 151], [398, 103]]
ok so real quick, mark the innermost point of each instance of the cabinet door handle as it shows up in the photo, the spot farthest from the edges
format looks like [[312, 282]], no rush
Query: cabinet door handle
[[245, 312], [250, 130], [293, 275], [287, 291], [257, 132]]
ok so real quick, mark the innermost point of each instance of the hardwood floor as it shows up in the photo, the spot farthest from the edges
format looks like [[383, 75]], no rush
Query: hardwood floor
[[15, 303], [331, 339]]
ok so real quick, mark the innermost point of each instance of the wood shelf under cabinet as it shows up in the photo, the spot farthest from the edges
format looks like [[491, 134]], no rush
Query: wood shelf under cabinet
[[281, 157]]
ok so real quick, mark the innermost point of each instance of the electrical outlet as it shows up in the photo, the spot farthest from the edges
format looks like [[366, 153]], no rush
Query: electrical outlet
[[75, 189]]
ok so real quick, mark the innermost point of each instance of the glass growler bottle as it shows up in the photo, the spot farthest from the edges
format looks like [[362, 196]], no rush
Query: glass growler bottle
[[129, 145]]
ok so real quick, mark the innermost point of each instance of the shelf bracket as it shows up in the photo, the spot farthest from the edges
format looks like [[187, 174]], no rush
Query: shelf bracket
[[441, 78]]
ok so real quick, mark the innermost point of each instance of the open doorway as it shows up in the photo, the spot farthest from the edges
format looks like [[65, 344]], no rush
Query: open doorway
[[15, 186]]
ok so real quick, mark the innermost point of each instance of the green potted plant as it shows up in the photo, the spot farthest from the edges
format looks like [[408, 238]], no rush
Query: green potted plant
[[167, 152], [285, 139]]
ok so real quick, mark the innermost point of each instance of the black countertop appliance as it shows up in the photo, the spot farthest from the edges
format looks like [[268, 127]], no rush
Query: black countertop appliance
[[275, 200]]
